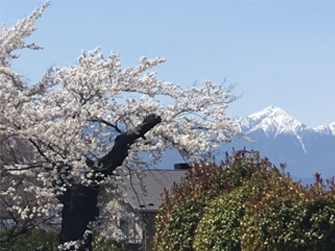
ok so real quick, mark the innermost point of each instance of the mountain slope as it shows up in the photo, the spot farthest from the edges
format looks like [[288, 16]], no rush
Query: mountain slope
[[283, 139], [271, 120]]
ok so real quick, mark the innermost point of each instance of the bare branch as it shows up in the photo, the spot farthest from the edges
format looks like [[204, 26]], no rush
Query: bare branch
[[107, 123], [107, 164]]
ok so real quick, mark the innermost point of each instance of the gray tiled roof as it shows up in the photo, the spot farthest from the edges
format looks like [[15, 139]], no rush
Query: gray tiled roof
[[147, 197]]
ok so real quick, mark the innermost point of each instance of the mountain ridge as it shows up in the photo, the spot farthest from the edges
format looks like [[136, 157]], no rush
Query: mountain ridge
[[283, 139], [276, 119]]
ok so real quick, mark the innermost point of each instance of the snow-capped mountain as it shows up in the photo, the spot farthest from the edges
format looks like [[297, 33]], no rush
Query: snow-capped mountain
[[271, 120], [326, 129], [283, 139], [274, 121]]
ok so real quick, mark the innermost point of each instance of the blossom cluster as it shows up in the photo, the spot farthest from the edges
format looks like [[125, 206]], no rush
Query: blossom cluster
[[74, 113]]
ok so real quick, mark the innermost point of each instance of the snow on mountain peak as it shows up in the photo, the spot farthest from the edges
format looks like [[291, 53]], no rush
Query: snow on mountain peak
[[332, 127], [270, 111], [272, 120], [281, 136], [326, 129]]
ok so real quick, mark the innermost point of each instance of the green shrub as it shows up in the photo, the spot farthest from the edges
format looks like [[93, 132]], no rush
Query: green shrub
[[36, 240], [290, 218], [219, 229], [40, 240], [183, 206]]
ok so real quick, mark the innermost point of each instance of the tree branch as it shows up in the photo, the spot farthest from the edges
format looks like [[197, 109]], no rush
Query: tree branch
[[107, 123], [107, 164]]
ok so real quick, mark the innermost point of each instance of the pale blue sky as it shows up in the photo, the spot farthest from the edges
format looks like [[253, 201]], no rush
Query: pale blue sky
[[280, 53]]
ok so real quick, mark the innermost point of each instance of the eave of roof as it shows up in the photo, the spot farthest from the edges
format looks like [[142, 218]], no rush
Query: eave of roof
[[147, 197]]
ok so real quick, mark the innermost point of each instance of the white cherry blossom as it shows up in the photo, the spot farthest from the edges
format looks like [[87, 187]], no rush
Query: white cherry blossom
[[75, 113]]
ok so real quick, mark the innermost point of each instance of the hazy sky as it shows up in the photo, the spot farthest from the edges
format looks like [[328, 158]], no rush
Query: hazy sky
[[280, 53]]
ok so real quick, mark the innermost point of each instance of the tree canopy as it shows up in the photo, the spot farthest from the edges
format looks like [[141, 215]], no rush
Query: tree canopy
[[245, 203], [184, 205], [82, 122]]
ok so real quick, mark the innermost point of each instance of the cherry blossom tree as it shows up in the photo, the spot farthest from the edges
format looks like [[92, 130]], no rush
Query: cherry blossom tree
[[19, 193], [82, 122]]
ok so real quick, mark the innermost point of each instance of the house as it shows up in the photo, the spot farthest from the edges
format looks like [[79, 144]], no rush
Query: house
[[142, 201]]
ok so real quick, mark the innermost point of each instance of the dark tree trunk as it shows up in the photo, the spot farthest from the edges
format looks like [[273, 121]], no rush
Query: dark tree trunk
[[80, 202], [79, 209]]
